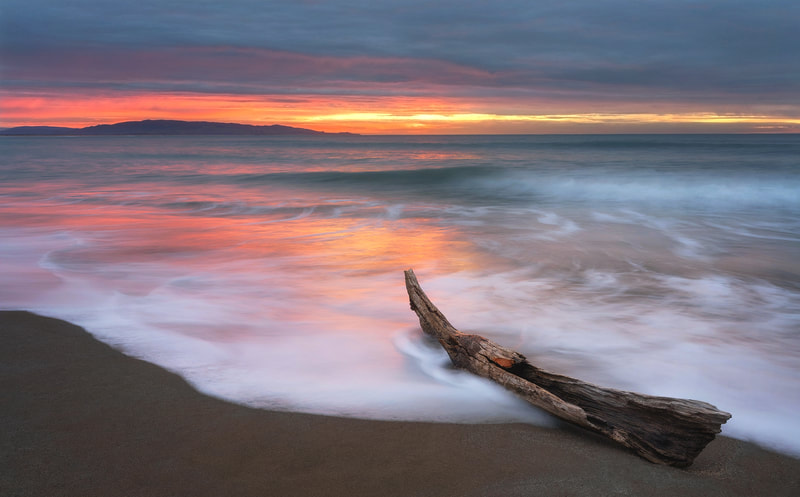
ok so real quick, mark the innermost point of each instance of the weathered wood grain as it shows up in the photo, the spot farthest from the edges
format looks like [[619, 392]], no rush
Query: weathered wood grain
[[660, 429]]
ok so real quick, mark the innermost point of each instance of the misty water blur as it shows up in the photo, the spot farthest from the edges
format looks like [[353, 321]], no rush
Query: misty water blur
[[268, 271]]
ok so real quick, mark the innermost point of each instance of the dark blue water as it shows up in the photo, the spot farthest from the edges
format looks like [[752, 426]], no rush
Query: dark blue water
[[268, 270]]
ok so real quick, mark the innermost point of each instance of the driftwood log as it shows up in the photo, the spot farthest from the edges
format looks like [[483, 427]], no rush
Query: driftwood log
[[660, 429]]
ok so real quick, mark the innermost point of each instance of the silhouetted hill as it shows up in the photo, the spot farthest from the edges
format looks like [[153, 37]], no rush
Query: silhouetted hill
[[38, 130], [162, 127]]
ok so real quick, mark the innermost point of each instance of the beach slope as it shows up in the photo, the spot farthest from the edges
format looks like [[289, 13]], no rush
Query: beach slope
[[80, 418]]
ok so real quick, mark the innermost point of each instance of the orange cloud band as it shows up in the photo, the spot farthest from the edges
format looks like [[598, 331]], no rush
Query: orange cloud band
[[360, 114]]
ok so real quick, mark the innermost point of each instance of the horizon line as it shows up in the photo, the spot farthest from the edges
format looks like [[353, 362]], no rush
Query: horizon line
[[595, 133]]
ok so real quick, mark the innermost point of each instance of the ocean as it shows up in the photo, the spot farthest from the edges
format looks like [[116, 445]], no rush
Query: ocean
[[269, 270]]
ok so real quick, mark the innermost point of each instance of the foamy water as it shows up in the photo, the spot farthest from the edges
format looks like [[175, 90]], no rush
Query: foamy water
[[269, 271]]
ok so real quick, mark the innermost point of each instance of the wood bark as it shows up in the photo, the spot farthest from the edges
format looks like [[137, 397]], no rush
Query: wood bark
[[660, 429]]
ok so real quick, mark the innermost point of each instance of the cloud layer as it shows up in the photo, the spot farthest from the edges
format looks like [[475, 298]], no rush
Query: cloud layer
[[499, 58]]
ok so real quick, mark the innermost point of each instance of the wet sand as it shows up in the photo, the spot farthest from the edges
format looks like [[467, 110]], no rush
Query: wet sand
[[79, 418]]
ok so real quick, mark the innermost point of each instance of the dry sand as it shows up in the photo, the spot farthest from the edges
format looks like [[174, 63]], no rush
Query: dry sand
[[81, 419]]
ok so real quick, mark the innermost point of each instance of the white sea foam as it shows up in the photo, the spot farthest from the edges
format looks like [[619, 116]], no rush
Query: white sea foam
[[272, 349], [287, 336], [287, 293]]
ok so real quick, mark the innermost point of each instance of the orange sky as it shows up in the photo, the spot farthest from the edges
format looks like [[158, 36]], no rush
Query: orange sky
[[370, 115]]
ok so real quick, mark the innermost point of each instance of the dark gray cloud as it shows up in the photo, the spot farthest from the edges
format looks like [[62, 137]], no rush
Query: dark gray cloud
[[660, 49]]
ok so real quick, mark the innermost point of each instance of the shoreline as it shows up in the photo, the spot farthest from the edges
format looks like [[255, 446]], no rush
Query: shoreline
[[81, 418]]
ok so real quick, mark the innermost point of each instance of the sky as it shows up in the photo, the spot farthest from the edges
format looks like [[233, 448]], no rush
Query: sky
[[406, 66]]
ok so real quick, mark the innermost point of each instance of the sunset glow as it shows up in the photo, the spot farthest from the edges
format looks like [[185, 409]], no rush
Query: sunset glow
[[396, 70], [365, 116]]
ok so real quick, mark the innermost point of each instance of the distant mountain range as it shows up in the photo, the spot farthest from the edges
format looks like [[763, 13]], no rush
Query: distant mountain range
[[163, 127]]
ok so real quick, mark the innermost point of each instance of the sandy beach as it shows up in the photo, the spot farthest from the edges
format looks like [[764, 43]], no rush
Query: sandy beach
[[80, 418]]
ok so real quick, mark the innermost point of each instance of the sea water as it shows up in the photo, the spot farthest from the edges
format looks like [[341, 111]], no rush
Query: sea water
[[269, 270]]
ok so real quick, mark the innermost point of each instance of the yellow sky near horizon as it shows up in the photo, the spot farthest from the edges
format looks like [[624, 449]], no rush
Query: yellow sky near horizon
[[407, 115]]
